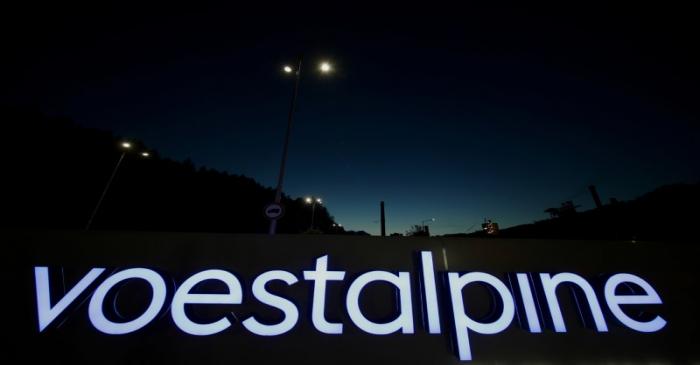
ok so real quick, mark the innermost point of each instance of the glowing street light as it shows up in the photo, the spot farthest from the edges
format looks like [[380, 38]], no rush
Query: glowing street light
[[126, 145], [145, 154], [325, 68], [427, 220], [425, 226], [313, 201], [337, 228]]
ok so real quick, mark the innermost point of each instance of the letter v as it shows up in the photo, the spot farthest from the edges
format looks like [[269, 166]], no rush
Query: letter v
[[43, 294]]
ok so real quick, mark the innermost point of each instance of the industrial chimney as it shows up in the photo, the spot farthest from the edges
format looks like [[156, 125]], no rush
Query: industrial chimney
[[381, 208]]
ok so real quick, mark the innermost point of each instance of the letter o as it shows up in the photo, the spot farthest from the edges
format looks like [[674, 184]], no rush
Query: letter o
[[104, 325]]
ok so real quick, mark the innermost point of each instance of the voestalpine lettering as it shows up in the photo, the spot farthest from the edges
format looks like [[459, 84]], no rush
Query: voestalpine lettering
[[183, 296], [318, 309], [403, 322], [291, 313], [95, 309], [464, 323], [530, 296]]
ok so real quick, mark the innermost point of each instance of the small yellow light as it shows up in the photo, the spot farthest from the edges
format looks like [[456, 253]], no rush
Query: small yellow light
[[325, 67], [126, 144], [308, 200], [318, 200], [288, 69], [145, 154]]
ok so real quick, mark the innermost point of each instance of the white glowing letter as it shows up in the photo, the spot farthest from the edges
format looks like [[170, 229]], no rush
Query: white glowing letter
[[550, 283], [104, 325], [463, 324], [431, 301], [529, 303], [291, 313], [650, 297], [183, 296], [45, 312], [319, 276], [403, 322]]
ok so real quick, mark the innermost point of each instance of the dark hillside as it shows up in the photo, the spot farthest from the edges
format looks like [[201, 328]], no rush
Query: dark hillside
[[668, 213], [54, 172]]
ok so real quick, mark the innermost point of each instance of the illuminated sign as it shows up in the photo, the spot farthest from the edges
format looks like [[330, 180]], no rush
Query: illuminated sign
[[530, 296]]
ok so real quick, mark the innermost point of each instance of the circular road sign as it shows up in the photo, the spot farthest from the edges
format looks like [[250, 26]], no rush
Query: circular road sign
[[274, 211]]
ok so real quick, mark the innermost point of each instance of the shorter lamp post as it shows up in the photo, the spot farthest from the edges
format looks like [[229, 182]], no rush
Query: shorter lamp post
[[313, 201], [425, 226], [126, 146]]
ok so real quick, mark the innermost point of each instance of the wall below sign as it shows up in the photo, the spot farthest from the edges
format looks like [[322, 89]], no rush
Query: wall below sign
[[68, 256]]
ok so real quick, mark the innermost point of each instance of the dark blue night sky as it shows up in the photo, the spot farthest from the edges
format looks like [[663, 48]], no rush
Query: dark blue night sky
[[453, 114]]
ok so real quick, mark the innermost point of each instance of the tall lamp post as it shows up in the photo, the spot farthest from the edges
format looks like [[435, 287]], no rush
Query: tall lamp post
[[126, 146], [325, 68], [313, 201]]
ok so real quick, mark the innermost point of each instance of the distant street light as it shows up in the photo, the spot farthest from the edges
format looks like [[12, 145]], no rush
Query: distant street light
[[126, 146], [325, 67], [422, 223], [313, 201]]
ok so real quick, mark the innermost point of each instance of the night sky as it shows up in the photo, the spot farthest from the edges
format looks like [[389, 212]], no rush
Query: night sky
[[457, 114]]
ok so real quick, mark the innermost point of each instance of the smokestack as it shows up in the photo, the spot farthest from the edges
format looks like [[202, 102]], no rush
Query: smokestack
[[596, 198], [381, 208]]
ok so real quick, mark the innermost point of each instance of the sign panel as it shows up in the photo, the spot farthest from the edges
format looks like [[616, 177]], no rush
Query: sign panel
[[274, 211], [165, 297]]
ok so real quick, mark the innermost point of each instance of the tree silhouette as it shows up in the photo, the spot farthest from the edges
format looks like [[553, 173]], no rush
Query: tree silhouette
[[553, 212], [54, 173], [416, 230]]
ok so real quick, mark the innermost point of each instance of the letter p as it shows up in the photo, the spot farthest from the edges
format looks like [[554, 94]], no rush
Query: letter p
[[463, 323]]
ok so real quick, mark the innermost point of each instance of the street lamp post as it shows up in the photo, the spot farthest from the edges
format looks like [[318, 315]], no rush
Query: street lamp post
[[313, 201], [325, 67], [422, 223], [126, 146]]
